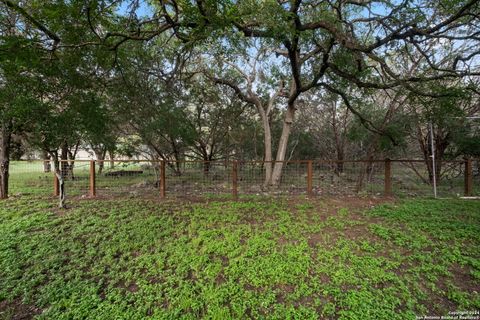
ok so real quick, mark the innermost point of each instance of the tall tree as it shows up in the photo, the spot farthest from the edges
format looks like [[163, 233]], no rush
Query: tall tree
[[20, 61], [331, 44], [46, 43], [149, 101], [247, 73], [212, 114]]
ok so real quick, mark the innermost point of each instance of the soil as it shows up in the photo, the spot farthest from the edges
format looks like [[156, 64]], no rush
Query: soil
[[16, 310]]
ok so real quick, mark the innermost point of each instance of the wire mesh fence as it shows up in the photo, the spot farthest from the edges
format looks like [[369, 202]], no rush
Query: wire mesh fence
[[451, 180], [476, 177], [143, 178], [252, 177], [337, 178], [76, 177], [30, 177], [195, 178], [410, 178], [126, 178]]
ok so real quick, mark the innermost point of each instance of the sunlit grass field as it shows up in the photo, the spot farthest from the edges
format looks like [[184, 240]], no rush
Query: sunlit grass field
[[279, 258]]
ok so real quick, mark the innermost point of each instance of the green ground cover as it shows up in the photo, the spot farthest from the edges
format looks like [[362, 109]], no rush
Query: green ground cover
[[281, 258]]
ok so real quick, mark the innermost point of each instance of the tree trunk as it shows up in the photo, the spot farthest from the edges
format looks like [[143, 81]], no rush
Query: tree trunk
[[206, 158], [61, 190], [100, 153], [282, 145], [340, 158], [206, 167], [5, 136], [47, 167], [441, 144], [368, 166], [101, 165], [339, 145], [176, 167], [176, 156], [70, 165], [111, 154], [57, 167], [267, 140], [64, 167]]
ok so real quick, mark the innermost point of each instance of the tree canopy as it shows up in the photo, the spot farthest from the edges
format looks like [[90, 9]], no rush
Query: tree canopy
[[216, 80]]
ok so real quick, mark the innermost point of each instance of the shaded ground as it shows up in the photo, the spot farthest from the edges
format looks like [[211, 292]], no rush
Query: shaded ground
[[267, 258]]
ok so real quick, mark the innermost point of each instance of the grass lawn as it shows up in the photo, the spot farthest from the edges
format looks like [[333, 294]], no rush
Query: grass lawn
[[290, 258]]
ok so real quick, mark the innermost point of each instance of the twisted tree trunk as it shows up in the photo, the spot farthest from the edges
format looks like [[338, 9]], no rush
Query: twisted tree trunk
[[64, 166], [100, 153], [61, 181]]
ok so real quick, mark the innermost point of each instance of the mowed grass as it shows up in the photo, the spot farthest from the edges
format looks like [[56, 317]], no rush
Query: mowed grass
[[272, 259]]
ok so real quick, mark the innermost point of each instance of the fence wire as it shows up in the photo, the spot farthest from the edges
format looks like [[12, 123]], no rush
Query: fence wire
[[476, 177], [451, 181], [252, 178], [191, 179], [337, 178], [126, 178], [30, 177], [409, 178], [76, 176]]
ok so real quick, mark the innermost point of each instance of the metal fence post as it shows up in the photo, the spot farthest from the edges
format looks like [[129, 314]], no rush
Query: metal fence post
[[310, 178], [388, 177], [93, 190], [468, 177], [162, 180], [235, 180]]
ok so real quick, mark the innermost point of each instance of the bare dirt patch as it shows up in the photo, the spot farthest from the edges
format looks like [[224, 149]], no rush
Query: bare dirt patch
[[16, 310], [463, 279]]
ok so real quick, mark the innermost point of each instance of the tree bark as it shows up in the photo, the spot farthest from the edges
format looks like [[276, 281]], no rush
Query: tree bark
[[340, 158], [111, 154], [206, 167], [282, 145], [64, 167], [176, 156], [264, 111], [267, 141], [441, 144], [61, 185], [100, 153], [339, 138], [71, 160], [57, 167], [47, 168], [5, 137], [207, 161]]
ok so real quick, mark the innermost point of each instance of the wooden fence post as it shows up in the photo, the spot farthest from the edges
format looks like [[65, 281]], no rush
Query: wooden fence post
[[468, 178], [162, 180], [235, 180], [56, 185], [310, 178], [388, 177], [93, 189]]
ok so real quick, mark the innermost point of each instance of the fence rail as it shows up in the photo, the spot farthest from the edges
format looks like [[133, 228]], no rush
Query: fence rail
[[400, 177]]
